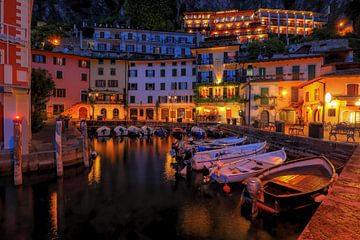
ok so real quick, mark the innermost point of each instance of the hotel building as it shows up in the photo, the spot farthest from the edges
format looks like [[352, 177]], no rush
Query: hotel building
[[170, 44], [71, 74], [161, 90], [15, 70]]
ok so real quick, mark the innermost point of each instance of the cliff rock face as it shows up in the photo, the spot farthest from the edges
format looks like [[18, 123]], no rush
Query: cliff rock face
[[76, 11]]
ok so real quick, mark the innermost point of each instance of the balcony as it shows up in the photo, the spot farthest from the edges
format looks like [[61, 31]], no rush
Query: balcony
[[230, 59], [220, 99], [12, 34]]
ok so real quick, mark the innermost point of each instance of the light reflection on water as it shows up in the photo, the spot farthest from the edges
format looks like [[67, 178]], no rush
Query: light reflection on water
[[130, 192]]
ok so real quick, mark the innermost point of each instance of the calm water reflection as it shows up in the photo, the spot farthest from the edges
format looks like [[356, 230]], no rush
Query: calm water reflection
[[130, 192]]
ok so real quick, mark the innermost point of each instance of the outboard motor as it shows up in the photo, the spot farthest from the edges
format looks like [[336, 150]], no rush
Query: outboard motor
[[255, 190]]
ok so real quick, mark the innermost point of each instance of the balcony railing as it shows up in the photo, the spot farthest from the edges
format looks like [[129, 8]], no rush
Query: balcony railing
[[220, 99], [277, 77], [13, 34]]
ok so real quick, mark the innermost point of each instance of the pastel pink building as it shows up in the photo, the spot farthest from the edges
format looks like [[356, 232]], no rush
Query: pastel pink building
[[71, 75], [15, 70]]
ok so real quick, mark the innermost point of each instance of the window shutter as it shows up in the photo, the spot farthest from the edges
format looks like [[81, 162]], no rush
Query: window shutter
[[54, 60], [225, 76], [44, 59], [210, 58], [64, 61], [80, 65], [210, 76]]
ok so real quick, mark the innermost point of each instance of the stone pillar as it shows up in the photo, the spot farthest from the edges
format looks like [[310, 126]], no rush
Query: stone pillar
[[85, 144], [58, 149], [18, 151]]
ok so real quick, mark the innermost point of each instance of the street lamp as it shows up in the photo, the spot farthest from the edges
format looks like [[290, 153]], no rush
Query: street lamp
[[172, 98]]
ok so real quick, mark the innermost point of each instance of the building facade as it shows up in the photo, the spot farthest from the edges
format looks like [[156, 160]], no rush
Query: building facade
[[15, 70], [253, 25], [171, 44], [220, 96], [71, 74], [161, 90]]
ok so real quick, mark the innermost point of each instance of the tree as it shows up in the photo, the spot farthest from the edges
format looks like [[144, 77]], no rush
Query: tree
[[266, 48], [42, 86], [40, 35]]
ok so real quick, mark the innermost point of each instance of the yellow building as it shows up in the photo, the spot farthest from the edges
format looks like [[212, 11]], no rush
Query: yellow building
[[219, 94], [334, 97]]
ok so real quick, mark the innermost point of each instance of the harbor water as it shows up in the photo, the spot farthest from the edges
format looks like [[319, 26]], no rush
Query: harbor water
[[132, 191]]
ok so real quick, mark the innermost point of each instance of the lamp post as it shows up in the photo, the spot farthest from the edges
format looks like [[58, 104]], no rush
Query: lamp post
[[172, 98]]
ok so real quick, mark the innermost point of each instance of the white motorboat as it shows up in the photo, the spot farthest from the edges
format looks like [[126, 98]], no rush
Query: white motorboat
[[216, 143], [243, 168], [147, 131], [134, 131], [207, 159], [120, 131], [197, 132], [103, 131]]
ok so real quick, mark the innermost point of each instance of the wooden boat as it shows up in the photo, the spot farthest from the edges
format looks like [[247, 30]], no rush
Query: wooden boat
[[134, 131], [160, 132], [103, 131], [197, 132], [120, 131], [214, 131], [216, 143], [178, 133], [147, 131], [207, 159], [243, 168], [293, 185]]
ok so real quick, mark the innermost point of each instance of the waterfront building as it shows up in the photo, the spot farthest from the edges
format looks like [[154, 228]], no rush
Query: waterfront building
[[71, 74], [334, 97], [250, 25], [15, 70], [170, 44], [108, 87], [220, 96], [273, 86], [161, 90]]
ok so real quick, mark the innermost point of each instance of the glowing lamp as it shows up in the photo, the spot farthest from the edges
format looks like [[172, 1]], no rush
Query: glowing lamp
[[358, 103], [333, 103], [284, 92], [17, 119], [328, 97], [55, 41]]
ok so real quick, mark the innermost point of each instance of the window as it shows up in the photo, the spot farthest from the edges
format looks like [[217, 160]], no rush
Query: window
[[58, 108], [59, 61], [182, 85], [352, 90], [101, 61], [143, 48], [173, 86], [59, 92], [296, 73], [264, 92], [174, 72], [229, 75], [193, 85], [37, 58], [307, 97], [59, 74], [130, 36], [205, 77], [141, 113], [84, 96], [204, 59], [162, 72], [112, 61], [117, 36], [150, 99], [132, 99], [113, 83], [112, 71], [102, 34], [170, 51], [183, 52], [102, 47], [100, 71], [262, 72], [83, 77], [162, 86], [294, 94], [100, 83], [1, 56], [174, 63], [130, 48], [84, 64], [183, 72], [279, 72], [316, 94], [311, 72], [150, 73], [143, 37], [132, 86], [163, 99], [132, 73], [194, 71], [149, 86], [332, 112], [157, 50]]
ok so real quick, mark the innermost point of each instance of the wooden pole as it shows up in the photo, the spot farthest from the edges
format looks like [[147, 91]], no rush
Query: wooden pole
[[58, 149], [18, 152], [85, 143]]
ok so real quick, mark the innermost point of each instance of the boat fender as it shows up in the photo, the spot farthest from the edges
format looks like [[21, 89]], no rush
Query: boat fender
[[93, 154], [226, 188], [319, 198]]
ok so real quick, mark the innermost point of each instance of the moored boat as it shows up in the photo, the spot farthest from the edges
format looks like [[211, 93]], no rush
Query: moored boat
[[292, 185], [134, 131], [197, 132], [147, 131], [206, 159], [243, 168], [178, 133], [103, 131], [160, 132], [120, 131], [216, 143]]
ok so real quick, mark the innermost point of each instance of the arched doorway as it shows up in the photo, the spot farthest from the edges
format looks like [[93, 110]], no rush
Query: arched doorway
[[103, 113], [115, 113], [83, 112], [316, 115], [264, 117]]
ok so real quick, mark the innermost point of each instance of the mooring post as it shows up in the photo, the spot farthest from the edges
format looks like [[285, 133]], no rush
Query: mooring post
[[58, 148], [18, 151], [85, 143]]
